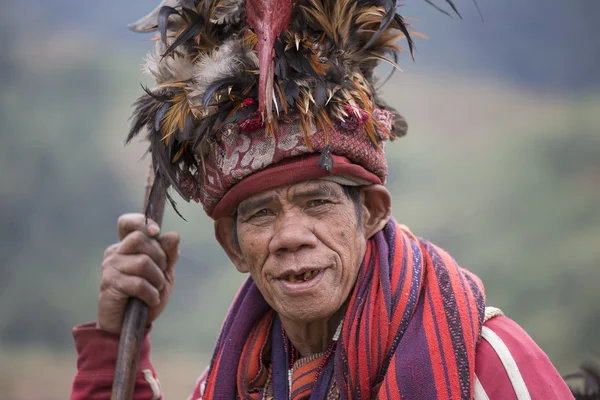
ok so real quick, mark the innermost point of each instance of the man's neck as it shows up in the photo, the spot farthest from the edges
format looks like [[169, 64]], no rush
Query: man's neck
[[313, 337]]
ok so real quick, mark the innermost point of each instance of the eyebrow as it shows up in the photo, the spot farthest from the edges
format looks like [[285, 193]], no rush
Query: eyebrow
[[254, 204], [316, 192]]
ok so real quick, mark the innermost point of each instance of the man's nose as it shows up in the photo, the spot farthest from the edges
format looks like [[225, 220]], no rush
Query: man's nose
[[292, 236]]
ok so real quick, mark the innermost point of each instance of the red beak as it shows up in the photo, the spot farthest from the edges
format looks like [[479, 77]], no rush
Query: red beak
[[268, 18]]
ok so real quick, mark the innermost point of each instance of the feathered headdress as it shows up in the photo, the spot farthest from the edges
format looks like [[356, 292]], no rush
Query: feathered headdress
[[231, 70]]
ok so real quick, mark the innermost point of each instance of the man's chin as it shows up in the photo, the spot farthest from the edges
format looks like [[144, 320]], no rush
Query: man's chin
[[310, 308]]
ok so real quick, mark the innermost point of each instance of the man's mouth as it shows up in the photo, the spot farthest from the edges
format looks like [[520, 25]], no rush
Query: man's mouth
[[304, 277]]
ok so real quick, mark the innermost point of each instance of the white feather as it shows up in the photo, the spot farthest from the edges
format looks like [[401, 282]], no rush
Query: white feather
[[228, 12], [229, 59], [174, 68]]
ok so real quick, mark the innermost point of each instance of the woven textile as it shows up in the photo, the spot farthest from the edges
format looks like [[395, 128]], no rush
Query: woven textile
[[238, 154], [410, 332]]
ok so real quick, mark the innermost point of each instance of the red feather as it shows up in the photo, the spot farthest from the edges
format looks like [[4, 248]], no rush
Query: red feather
[[268, 18]]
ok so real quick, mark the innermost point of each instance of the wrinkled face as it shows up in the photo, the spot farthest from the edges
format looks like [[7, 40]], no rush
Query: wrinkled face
[[303, 246]]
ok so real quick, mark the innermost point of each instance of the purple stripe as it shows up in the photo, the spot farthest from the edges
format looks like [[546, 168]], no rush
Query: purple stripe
[[414, 372], [440, 346], [367, 327], [324, 382], [413, 297], [403, 269], [279, 362], [247, 311], [390, 234], [384, 270]]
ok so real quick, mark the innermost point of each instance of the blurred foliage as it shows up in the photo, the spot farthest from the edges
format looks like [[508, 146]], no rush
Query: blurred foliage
[[507, 179]]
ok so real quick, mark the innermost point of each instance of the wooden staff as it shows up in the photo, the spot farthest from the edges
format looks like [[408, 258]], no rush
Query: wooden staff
[[136, 314]]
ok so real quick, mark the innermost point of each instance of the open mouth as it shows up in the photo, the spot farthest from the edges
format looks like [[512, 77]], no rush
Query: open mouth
[[304, 277]]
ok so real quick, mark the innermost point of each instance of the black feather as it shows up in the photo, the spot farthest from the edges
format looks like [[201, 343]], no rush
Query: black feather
[[291, 90], [163, 21], [145, 108], [195, 24], [187, 128], [402, 26], [335, 73], [203, 129], [440, 9], [385, 22], [160, 113], [216, 86]]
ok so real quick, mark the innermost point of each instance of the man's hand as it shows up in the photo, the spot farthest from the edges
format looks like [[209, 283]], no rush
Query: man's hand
[[140, 265]]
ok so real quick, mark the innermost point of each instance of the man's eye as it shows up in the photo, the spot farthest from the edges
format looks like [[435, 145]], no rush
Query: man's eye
[[317, 203], [261, 213]]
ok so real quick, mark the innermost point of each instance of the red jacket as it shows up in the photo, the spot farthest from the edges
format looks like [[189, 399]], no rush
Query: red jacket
[[508, 365]]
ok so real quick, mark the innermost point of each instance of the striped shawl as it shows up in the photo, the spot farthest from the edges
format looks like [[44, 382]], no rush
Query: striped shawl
[[410, 332]]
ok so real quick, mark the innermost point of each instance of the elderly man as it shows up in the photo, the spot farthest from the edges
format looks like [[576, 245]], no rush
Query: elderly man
[[265, 113]]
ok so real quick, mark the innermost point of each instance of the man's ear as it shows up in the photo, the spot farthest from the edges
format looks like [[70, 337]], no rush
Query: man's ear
[[224, 233], [377, 209]]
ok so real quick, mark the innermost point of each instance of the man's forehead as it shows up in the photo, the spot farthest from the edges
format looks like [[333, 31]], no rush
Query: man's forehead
[[315, 186]]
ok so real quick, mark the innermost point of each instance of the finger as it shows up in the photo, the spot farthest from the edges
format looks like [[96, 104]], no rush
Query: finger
[[128, 223], [139, 243], [110, 250], [134, 286], [139, 265], [170, 244]]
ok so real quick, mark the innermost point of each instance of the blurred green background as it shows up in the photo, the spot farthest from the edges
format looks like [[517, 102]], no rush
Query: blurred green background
[[501, 167]]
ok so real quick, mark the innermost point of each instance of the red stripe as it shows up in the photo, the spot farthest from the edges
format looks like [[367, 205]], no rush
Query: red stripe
[[446, 341], [435, 353]]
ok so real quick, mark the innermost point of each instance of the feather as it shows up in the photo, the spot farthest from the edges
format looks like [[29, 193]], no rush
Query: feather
[[228, 12], [149, 22], [390, 13], [247, 62], [230, 60], [160, 114], [163, 21], [177, 68], [145, 108], [450, 2], [195, 23]]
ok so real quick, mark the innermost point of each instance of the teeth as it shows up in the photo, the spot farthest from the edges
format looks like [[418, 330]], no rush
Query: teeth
[[304, 277], [308, 275]]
